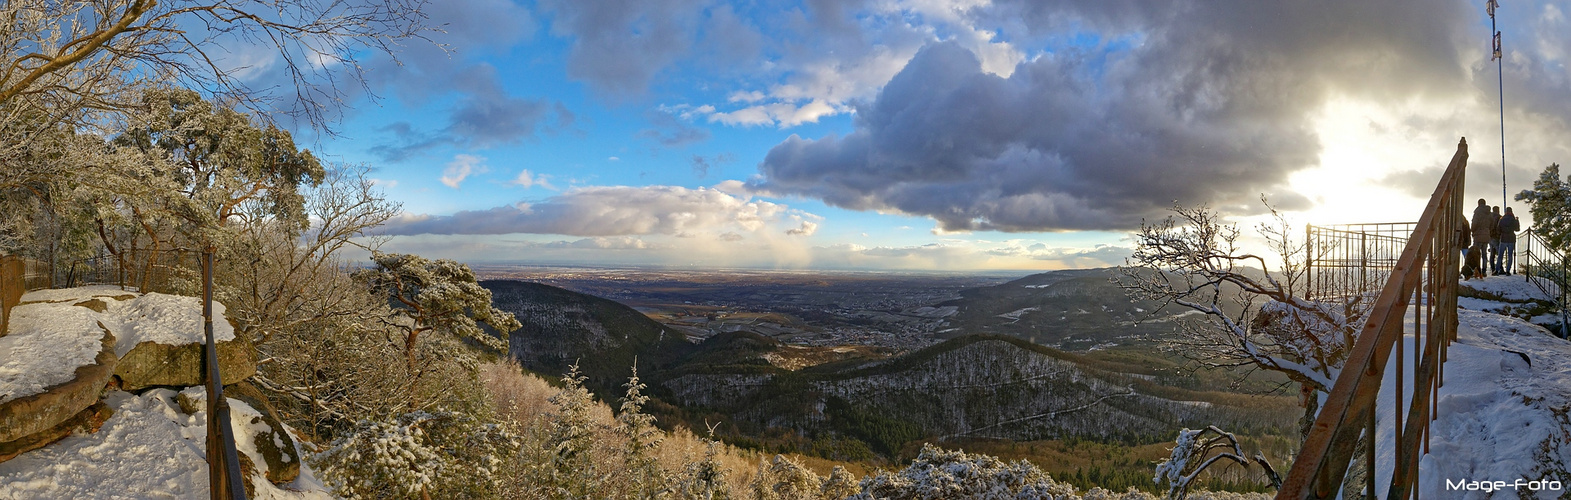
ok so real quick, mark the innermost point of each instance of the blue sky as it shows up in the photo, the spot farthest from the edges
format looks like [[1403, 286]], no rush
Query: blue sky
[[929, 134]]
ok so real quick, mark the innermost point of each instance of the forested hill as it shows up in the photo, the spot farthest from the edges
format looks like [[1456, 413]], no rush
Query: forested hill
[[1074, 310], [561, 327]]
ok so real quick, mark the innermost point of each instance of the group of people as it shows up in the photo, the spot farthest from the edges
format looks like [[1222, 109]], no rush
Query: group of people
[[1494, 233]]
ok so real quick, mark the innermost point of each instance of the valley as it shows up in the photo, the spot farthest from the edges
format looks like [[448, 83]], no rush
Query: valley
[[862, 368]]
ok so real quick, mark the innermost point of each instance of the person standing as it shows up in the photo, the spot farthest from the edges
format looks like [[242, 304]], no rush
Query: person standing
[[1505, 233], [1483, 227], [1494, 243]]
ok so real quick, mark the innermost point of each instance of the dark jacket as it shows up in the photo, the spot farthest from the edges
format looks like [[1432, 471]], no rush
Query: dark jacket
[[1483, 225], [1507, 227]]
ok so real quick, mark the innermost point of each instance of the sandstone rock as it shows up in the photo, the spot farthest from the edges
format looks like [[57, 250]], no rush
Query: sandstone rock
[[262, 428], [275, 445], [151, 364], [30, 415], [87, 420]]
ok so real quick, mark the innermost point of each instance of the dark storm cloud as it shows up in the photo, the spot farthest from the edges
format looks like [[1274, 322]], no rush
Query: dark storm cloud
[[1204, 102]]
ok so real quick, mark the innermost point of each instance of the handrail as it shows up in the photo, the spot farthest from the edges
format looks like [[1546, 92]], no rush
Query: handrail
[[223, 462], [1425, 277], [1546, 269]]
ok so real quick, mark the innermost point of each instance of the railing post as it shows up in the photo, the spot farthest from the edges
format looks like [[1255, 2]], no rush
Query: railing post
[[223, 462]]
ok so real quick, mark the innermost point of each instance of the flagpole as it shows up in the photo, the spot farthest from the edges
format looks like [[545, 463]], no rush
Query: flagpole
[[1500, 81]]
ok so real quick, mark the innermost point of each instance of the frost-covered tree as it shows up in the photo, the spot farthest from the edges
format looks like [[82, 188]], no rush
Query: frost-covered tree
[[570, 441], [781, 478], [1197, 450], [433, 296], [940, 474], [703, 479], [1249, 317], [417, 455], [641, 467], [840, 484], [1551, 200]]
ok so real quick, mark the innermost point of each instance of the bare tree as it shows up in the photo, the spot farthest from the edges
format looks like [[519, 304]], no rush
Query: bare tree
[[1248, 317], [85, 54]]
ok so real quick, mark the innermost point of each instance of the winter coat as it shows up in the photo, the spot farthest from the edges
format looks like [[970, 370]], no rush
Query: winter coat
[[1507, 228], [1483, 225]]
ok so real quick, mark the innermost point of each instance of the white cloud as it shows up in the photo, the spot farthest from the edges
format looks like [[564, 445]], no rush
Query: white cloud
[[806, 229], [527, 180], [619, 211], [460, 168]]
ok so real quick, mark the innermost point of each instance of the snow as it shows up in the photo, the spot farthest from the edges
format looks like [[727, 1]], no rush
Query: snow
[[50, 337], [1515, 288], [1500, 417], [154, 317], [148, 449], [45, 346]]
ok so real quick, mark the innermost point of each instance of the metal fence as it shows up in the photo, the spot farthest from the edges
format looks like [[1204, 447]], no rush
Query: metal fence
[[1351, 260], [165, 271], [1419, 300], [1546, 268]]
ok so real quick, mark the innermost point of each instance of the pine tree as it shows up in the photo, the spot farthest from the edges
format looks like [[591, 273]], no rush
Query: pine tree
[[1551, 198], [645, 477], [782, 478], [705, 479], [571, 439]]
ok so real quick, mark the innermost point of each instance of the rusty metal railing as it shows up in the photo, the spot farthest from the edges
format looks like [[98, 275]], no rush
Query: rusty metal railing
[[1546, 268], [1347, 261], [1423, 279], [223, 461]]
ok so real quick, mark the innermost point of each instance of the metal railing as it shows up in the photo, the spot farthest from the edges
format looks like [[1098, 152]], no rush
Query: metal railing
[[1423, 279], [163, 271], [36, 275], [1351, 260], [1546, 269]]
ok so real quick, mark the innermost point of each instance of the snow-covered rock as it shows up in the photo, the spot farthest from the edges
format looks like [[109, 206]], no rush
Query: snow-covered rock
[[53, 364], [157, 338]]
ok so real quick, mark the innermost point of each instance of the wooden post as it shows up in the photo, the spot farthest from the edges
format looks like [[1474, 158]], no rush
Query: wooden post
[[223, 462]]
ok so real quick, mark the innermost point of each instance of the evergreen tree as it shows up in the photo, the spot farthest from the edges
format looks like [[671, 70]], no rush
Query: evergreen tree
[[642, 441], [1551, 200], [570, 441], [704, 479]]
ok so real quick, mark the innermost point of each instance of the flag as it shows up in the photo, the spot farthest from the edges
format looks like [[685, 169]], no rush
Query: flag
[[1491, 6], [1497, 47]]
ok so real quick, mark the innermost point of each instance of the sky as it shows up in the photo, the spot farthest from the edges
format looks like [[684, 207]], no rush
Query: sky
[[947, 135]]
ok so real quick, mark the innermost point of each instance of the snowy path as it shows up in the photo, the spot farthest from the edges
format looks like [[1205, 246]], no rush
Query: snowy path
[[1500, 417]]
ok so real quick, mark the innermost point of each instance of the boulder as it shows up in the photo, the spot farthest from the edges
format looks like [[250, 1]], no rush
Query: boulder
[[263, 429], [37, 413], [274, 443], [151, 364], [87, 421]]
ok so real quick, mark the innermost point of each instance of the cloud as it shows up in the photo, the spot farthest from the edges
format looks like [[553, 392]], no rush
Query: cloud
[[670, 130], [460, 168], [1209, 102], [701, 164], [526, 180], [612, 211], [806, 229], [619, 46], [486, 116]]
